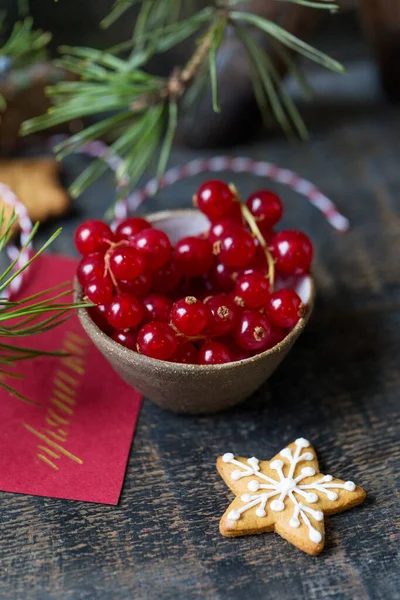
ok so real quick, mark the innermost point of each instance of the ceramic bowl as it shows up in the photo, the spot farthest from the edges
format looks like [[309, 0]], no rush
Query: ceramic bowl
[[195, 389]]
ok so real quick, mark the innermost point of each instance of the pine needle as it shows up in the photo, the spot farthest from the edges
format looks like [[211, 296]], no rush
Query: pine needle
[[288, 39], [169, 138], [217, 39], [26, 45]]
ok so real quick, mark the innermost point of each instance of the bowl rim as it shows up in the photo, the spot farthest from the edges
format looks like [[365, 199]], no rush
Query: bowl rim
[[89, 324]]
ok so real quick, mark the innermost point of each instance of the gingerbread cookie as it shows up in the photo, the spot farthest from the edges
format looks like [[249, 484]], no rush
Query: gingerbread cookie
[[287, 494], [35, 182]]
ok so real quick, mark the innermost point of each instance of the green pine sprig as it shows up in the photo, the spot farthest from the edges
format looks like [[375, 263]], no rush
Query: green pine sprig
[[25, 44], [139, 112], [152, 15], [24, 47], [29, 316]]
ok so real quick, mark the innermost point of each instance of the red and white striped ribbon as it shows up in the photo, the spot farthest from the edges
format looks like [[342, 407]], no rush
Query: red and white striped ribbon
[[244, 165], [13, 252], [130, 202]]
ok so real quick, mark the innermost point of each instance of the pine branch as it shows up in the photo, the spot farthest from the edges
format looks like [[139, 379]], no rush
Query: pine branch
[[25, 44], [139, 111], [31, 315], [147, 104]]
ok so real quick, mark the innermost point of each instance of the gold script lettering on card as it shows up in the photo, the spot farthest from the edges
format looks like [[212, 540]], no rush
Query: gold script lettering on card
[[60, 412]]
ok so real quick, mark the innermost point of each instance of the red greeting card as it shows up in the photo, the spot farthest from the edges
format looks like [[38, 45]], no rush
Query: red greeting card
[[74, 442]]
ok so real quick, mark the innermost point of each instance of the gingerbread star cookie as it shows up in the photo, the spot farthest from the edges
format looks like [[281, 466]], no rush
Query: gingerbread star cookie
[[287, 494]]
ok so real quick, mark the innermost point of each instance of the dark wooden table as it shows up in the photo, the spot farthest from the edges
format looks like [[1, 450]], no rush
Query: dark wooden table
[[339, 387]]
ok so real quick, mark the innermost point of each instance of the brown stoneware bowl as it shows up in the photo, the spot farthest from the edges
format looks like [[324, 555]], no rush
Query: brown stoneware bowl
[[195, 389]]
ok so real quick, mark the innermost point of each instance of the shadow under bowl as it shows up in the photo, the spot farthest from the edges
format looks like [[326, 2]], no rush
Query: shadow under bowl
[[195, 389]]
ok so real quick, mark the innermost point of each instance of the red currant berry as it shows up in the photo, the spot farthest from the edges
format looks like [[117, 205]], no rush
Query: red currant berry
[[191, 286], [98, 316], [236, 249], [125, 311], [224, 314], [214, 199], [220, 228], [157, 308], [252, 331], [237, 353], [126, 338], [189, 315], [157, 340], [213, 353], [167, 278], [292, 251], [138, 287], [90, 268], [260, 257], [185, 353], [155, 246], [100, 291], [253, 288], [127, 263], [277, 335], [266, 207], [235, 214], [222, 278], [93, 236], [268, 235], [284, 308], [237, 300], [259, 268], [130, 227], [193, 256]]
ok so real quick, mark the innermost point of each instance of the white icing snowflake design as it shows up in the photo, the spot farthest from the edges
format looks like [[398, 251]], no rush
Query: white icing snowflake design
[[285, 489]]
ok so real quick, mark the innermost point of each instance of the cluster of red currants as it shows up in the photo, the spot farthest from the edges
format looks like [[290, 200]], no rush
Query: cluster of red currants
[[208, 300]]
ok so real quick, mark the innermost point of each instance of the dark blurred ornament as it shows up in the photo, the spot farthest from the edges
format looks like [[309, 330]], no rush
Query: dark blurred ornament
[[240, 117], [24, 97]]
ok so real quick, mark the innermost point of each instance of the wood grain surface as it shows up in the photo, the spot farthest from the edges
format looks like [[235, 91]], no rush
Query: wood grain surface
[[339, 388]]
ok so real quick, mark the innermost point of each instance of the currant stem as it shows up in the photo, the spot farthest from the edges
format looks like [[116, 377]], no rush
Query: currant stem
[[107, 268], [252, 223], [190, 338], [193, 65]]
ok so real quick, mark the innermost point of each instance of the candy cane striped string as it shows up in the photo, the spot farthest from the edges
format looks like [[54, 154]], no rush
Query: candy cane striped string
[[130, 203], [244, 165], [8, 196]]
